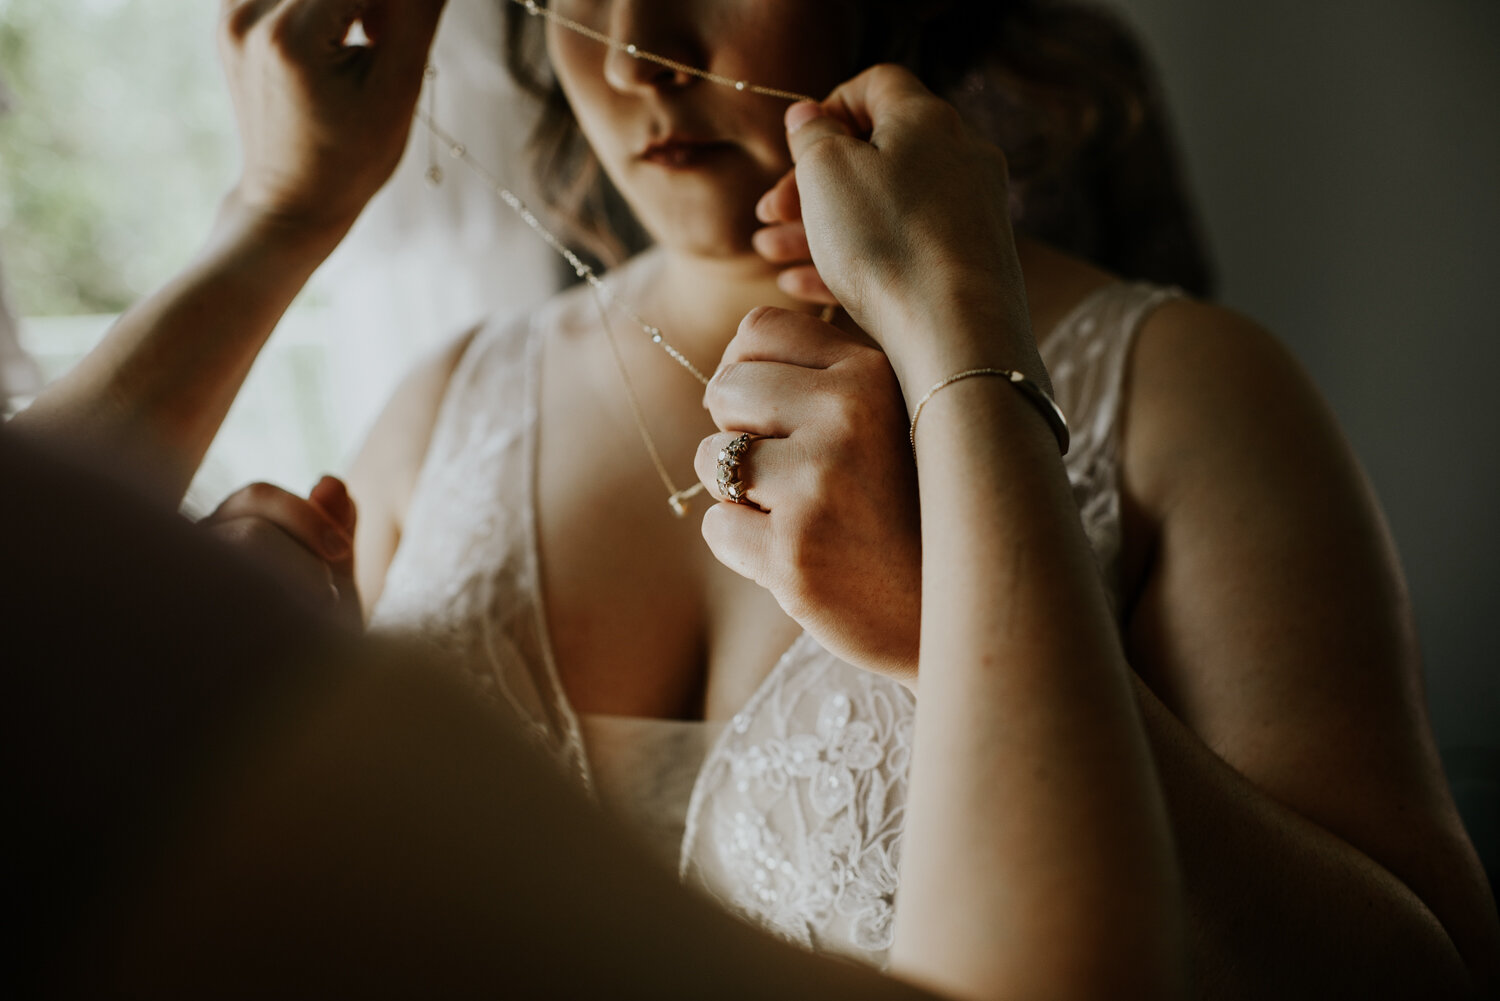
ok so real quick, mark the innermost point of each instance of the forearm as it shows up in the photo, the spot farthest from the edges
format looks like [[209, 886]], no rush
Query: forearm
[[1031, 777], [1279, 906], [153, 393]]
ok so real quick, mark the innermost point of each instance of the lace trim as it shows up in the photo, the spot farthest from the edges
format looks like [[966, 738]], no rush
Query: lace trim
[[795, 819]]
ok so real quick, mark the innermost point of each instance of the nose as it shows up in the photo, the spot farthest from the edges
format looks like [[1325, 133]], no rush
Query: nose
[[647, 26]]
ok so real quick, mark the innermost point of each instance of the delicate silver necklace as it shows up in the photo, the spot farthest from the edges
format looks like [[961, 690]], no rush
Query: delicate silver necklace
[[603, 296]]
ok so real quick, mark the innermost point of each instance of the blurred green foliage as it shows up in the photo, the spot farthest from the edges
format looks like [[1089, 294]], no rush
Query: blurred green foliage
[[116, 151]]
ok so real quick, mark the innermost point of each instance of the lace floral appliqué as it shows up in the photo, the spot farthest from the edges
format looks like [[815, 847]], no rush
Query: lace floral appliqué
[[808, 830]]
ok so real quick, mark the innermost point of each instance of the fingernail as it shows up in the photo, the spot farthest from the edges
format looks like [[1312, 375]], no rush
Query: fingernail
[[763, 208], [800, 114]]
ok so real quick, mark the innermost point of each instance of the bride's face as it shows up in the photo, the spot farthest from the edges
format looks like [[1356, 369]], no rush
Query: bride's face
[[692, 157]]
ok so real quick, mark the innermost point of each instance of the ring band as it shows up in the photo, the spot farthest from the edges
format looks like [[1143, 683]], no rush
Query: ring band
[[731, 487]]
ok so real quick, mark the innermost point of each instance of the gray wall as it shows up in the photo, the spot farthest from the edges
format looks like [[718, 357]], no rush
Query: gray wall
[[1347, 159]]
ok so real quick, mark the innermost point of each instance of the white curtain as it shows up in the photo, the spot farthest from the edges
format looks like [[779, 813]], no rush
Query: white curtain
[[426, 263], [19, 376]]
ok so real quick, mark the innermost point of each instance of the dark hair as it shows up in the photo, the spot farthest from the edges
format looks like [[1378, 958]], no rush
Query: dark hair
[[1064, 89]]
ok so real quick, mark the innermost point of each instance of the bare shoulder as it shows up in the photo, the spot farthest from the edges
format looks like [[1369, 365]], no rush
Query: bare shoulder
[[1268, 610], [1265, 542], [1211, 389], [384, 472]]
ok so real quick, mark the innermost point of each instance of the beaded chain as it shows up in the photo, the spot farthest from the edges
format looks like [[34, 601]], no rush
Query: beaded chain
[[602, 294], [630, 49], [581, 268]]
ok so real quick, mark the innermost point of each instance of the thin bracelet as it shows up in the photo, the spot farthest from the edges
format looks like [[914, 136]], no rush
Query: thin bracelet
[[1035, 395]]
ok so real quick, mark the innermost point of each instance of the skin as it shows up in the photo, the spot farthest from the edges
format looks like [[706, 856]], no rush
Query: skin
[[371, 766], [1269, 643], [246, 755], [1275, 662]]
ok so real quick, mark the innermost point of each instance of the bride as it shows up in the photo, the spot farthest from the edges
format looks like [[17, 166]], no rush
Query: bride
[[859, 363]]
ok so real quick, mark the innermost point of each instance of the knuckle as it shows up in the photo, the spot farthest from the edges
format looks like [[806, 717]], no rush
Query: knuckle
[[945, 116], [894, 79], [237, 22], [259, 494], [721, 388], [827, 156], [246, 533], [755, 328]]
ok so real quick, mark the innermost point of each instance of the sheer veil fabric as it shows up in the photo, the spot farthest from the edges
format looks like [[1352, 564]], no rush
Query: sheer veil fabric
[[425, 262]]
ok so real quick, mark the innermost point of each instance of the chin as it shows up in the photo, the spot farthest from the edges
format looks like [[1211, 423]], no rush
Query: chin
[[703, 224]]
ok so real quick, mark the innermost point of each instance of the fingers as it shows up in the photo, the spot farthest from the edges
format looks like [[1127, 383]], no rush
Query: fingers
[[783, 243], [240, 16], [867, 105], [791, 338], [808, 124], [783, 203], [786, 244], [805, 283], [767, 398], [401, 29], [333, 498], [770, 381], [769, 469], [304, 522], [306, 576], [321, 23], [740, 537], [411, 22], [308, 543]]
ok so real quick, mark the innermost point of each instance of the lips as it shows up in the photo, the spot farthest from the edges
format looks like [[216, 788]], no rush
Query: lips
[[679, 153]]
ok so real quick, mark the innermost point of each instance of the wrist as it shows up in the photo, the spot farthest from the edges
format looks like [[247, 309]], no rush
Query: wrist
[[969, 320], [937, 343], [245, 225]]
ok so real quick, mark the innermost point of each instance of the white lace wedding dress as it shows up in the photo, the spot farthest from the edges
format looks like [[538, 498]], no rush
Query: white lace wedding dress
[[791, 813]]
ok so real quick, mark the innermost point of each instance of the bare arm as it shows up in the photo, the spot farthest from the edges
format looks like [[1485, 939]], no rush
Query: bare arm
[[1278, 673], [158, 386], [322, 127], [1321, 851], [1037, 859], [219, 796]]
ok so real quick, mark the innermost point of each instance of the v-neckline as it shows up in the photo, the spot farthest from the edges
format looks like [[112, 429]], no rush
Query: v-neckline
[[539, 326], [542, 322]]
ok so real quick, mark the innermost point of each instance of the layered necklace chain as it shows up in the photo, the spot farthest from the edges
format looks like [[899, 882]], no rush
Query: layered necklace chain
[[599, 289], [631, 49]]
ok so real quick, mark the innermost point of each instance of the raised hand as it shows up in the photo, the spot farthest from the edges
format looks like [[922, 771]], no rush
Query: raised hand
[[322, 124], [833, 532], [903, 216], [308, 544]]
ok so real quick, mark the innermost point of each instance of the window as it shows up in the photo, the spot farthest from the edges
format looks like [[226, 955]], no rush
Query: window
[[116, 149]]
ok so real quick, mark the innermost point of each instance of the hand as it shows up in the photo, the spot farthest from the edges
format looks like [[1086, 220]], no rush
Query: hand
[[308, 544], [834, 532], [322, 125], [896, 210], [783, 241]]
